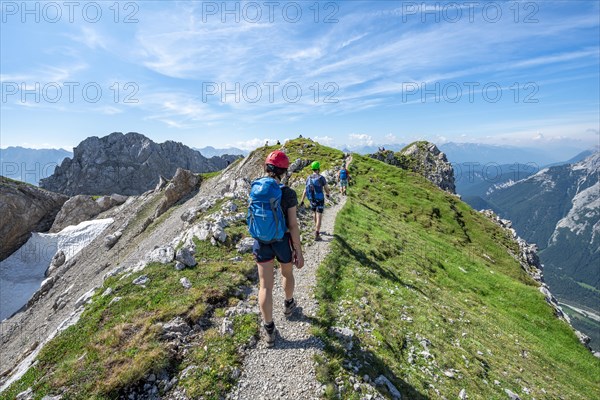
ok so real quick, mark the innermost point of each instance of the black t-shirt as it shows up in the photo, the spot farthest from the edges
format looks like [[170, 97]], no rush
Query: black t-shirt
[[289, 199]]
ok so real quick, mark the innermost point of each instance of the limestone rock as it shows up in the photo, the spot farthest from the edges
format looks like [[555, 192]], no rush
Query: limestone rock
[[181, 185], [77, 209], [129, 164], [112, 239], [186, 256], [245, 245], [163, 255], [176, 328], [423, 158], [58, 259], [24, 209], [383, 381], [185, 282]]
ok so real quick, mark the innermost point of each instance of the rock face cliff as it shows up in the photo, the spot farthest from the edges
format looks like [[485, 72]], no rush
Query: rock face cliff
[[24, 209], [127, 164], [423, 158]]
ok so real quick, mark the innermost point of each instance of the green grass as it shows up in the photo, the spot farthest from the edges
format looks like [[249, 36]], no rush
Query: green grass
[[410, 261], [588, 287], [114, 346]]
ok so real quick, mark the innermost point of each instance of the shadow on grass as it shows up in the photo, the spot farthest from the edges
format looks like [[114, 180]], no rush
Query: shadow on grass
[[363, 259]]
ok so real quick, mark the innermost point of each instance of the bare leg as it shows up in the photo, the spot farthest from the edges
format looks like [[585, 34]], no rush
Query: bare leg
[[319, 216], [287, 280], [266, 276]]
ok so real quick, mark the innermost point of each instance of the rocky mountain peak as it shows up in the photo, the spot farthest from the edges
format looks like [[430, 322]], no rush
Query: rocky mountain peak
[[424, 158], [128, 164]]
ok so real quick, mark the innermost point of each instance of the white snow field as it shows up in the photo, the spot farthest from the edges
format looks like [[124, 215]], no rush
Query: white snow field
[[22, 273]]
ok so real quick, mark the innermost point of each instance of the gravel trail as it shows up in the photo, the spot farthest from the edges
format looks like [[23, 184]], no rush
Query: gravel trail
[[287, 371]]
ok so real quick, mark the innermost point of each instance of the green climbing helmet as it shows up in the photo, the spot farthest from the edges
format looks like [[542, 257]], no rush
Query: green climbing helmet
[[315, 165]]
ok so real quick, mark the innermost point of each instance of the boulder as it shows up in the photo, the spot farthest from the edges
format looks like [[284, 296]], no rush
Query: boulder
[[176, 328], [185, 282], [163, 255], [185, 255], [75, 210], [58, 259], [181, 185], [245, 245], [381, 380], [112, 239]]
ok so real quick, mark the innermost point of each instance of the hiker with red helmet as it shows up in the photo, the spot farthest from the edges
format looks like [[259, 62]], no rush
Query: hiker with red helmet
[[273, 223]]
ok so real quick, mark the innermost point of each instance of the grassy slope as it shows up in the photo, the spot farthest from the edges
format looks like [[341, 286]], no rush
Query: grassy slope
[[410, 262]]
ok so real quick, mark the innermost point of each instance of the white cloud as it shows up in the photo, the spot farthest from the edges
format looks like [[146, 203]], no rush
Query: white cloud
[[325, 140], [361, 139], [254, 143], [538, 136], [90, 38]]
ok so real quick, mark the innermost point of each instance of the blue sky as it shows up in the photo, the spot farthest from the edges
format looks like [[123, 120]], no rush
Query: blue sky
[[391, 72]]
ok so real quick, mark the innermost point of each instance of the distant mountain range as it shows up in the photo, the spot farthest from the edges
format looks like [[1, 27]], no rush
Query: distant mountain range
[[371, 149], [30, 165], [210, 151]]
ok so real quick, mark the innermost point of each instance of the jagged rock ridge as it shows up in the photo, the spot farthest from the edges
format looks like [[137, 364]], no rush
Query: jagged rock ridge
[[424, 158], [127, 164]]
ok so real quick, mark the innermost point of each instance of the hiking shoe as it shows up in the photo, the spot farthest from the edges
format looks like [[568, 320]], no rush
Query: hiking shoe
[[289, 307], [317, 236], [269, 336]]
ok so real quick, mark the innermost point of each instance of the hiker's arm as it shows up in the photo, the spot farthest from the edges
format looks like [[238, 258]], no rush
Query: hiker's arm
[[295, 236]]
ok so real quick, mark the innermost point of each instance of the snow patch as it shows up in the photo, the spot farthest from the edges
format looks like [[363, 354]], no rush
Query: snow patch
[[500, 186], [23, 272], [586, 208]]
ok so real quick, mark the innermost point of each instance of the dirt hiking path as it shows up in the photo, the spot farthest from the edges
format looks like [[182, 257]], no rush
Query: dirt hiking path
[[287, 371]]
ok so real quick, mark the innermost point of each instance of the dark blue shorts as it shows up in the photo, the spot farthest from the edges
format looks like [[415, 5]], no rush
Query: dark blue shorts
[[317, 205], [265, 252]]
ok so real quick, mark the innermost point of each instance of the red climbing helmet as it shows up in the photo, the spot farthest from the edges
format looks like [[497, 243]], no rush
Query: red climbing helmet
[[278, 159]]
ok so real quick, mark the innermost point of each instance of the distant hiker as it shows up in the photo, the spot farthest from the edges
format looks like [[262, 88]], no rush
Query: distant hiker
[[273, 224], [315, 190], [267, 143], [343, 178], [278, 143], [299, 136]]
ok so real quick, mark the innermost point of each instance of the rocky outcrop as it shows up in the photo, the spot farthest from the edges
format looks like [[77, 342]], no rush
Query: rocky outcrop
[[24, 209], [182, 184], [128, 164], [83, 208], [423, 158]]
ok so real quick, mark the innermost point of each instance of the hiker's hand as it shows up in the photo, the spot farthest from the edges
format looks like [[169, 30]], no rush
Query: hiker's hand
[[298, 259]]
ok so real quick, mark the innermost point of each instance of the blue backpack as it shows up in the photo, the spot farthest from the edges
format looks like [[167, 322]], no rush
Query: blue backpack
[[265, 219], [343, 173], [314, 188]]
